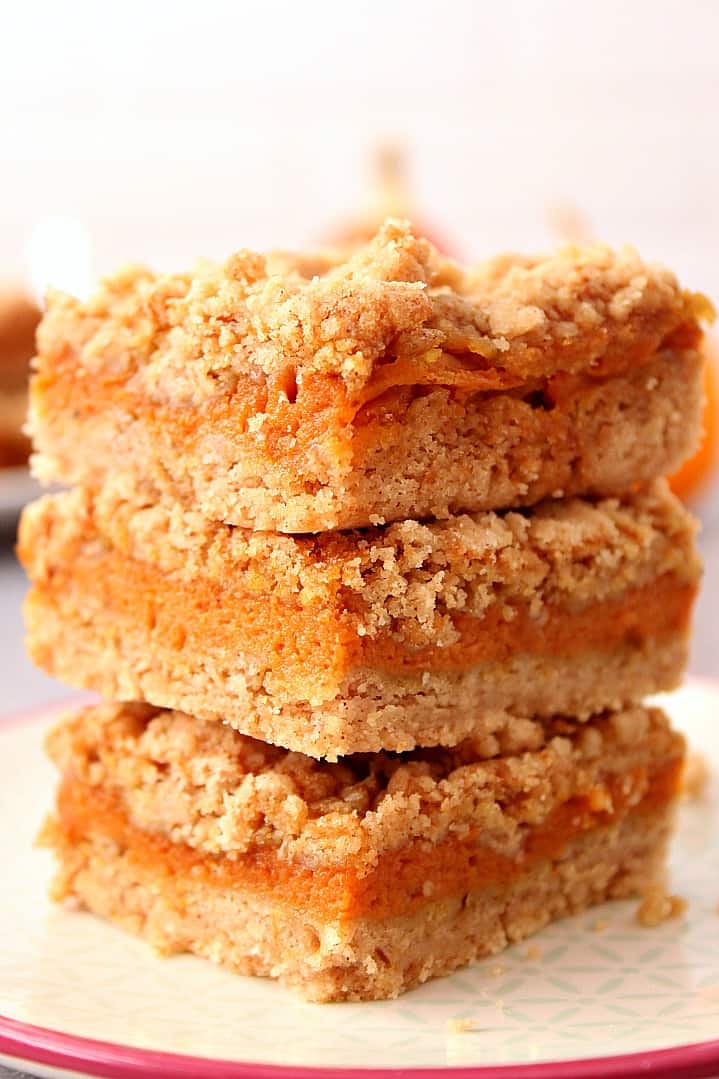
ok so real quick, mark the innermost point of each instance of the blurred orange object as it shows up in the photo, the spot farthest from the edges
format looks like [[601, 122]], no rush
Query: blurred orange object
[[387, 196], [19, 316], [566, 220], [695, 473]]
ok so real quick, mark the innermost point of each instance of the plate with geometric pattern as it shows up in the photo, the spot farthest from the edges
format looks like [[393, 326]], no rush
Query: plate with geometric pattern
[[592, 996]]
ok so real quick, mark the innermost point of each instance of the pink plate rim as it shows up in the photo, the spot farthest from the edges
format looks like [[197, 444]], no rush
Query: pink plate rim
[[26, 1043]]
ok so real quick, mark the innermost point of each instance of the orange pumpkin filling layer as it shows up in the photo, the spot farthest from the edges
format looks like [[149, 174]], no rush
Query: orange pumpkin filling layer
[[272, 633], [317, 411], [402, 880], [652, 612]]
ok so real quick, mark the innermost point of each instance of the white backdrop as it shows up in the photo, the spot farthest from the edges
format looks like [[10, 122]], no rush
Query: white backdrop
[[184, 128]]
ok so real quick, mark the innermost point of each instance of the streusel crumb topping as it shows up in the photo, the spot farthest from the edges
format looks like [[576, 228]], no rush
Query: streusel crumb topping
[[205, 784], [388, 579], [186, 337]]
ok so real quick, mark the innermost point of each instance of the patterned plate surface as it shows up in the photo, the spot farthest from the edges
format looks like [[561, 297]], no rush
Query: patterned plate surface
[[81, 996]]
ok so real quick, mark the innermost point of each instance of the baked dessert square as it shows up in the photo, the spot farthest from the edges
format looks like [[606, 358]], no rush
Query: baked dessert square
[[19, 317], [301, 394], [360, 879], [385, 638]]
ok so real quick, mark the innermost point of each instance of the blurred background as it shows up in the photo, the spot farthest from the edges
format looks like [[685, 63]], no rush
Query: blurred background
[[158, 132]]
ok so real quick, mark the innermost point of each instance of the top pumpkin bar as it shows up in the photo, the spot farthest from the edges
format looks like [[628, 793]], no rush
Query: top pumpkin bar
[[302, 394]]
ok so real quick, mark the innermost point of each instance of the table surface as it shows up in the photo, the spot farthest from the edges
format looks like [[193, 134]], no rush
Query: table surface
[[26, 688]]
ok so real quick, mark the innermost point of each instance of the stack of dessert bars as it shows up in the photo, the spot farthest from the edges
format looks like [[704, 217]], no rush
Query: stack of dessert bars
[[371, 560]]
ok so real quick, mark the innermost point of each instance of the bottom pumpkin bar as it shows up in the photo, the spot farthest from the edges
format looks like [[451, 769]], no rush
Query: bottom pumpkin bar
[[359, 879]]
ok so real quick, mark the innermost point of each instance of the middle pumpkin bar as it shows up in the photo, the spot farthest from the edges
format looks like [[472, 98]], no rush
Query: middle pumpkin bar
[[411, 634]]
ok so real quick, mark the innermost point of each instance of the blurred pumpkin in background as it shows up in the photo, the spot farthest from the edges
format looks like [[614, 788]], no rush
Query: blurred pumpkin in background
[[388, 195], [694, 475]]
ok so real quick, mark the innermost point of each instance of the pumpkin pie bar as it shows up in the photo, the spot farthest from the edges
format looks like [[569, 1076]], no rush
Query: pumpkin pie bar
[[301, 394], [360, 879], [385, 638]]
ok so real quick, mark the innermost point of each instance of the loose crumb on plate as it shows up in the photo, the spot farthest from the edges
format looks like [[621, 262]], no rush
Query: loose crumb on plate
[[695, 777], [457, 1025], [658, 906]]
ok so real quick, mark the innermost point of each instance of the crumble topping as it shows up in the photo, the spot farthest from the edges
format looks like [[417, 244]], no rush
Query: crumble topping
[[185, 337], [204, 784], [410, 578]]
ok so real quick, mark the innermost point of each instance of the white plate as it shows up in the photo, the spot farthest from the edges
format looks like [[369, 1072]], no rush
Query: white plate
[[17, 487], [589, 1000]]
